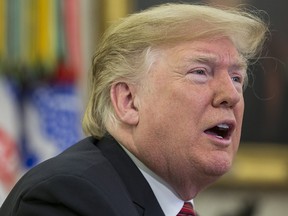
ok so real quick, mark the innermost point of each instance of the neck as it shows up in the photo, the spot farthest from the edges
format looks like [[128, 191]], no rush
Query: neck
[[187, 187]]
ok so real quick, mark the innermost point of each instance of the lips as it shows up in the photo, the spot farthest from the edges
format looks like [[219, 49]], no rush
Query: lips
[[221, 131]]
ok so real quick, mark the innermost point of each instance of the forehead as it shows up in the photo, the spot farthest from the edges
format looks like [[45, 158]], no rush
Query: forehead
[[206, 51]]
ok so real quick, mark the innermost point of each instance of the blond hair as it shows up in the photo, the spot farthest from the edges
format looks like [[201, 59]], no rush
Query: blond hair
[[125, 52]]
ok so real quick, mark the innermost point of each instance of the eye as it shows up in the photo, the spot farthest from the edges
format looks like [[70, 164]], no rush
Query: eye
[[199, 71], [238, 82], [198, 75], [238, 75], [237, 79]]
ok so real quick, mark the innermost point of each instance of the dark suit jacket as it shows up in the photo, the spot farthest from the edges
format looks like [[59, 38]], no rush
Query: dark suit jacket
[[90, 178]]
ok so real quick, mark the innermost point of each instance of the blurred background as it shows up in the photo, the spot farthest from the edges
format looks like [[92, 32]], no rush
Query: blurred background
[[46, 47]]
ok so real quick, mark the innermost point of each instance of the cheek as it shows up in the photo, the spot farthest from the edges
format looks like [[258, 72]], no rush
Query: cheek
[[239, 113], [173, 111], [241, 107]]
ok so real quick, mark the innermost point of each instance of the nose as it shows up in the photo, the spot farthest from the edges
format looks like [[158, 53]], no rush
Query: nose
[[226, 93]]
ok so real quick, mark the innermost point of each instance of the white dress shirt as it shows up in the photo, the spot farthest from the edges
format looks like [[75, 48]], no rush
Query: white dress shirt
[[168, 199]]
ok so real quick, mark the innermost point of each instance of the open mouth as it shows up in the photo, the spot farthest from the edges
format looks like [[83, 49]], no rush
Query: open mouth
[[221, 131]]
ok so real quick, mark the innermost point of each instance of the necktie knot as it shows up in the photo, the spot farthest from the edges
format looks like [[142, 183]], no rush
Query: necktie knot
[[187, 210]]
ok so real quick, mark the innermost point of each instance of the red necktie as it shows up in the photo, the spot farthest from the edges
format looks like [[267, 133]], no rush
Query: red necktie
[[187, 210]]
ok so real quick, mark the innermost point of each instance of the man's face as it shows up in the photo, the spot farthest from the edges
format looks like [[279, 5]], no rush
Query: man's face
[[190, 111]]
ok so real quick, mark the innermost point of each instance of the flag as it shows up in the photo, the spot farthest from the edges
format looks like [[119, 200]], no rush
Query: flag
[[52, 121], [10, 131]]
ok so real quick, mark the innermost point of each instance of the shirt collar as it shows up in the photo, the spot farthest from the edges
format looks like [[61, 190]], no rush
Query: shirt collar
[[170, 203]]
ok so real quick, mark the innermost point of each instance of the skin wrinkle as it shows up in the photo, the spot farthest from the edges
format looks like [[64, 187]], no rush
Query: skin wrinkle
[[166, 84], [179, 113]]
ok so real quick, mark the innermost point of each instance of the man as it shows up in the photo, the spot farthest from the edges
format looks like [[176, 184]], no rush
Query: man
[[165, 115]]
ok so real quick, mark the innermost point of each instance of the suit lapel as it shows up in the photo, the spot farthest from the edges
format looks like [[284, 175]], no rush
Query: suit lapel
[[137, 186]]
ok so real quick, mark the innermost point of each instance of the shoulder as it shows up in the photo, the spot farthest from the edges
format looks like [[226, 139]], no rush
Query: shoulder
[[84, 160], [73, 161], [76, 176]]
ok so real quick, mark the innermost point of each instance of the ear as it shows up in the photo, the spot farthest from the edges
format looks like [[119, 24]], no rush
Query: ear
[[122, 97]]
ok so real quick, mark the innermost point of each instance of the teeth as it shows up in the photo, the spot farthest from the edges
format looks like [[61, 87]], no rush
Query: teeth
[[220, 131], [223, 126]]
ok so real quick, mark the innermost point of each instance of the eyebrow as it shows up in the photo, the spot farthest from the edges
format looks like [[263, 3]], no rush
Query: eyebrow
[[239, 63]]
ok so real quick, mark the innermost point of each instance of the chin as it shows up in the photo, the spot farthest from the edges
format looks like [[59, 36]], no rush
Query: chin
[[219, 167], [218, 171]]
